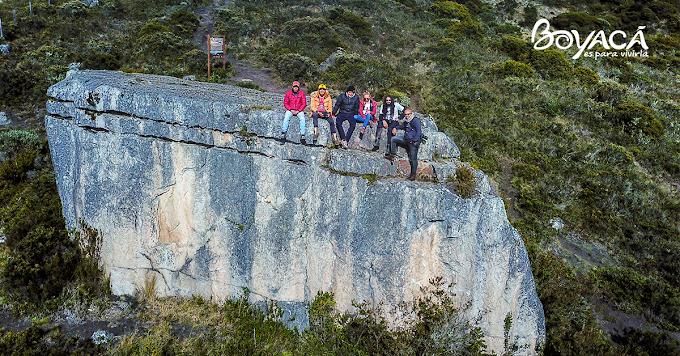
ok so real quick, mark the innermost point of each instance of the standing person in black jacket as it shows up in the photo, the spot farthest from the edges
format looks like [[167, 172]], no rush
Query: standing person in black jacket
[[410, 141], [346, 106]]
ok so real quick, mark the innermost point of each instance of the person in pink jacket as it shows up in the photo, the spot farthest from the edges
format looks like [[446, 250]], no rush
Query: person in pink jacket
[[367, 109], [295, 102]]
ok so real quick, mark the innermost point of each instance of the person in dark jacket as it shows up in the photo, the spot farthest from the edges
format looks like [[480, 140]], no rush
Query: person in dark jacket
[[410, 141], [346, 106], [388, 119]]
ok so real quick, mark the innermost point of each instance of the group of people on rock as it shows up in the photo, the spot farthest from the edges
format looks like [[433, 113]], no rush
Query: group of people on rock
[[349, 107]]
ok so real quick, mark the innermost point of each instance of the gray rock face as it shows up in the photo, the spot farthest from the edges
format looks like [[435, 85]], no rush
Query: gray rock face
[[4, 120], [186, 181]]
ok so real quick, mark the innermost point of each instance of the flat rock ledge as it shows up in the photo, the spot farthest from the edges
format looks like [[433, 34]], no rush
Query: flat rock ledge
[[187, 181]]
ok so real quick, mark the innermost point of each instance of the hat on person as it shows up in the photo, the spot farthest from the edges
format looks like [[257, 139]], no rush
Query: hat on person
[[296, 84], [350, 88], [322, 86]]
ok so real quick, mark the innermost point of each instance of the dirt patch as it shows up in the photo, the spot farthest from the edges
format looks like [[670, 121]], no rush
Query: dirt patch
[[244, 71]]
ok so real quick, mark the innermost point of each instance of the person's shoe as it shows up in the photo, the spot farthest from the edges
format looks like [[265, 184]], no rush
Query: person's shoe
[[344, 144], [370, 123], [316, 134], [390, 157], [361, 135], [376, 144], [302, 140], [412, 176], [283, 136], [336, 140]]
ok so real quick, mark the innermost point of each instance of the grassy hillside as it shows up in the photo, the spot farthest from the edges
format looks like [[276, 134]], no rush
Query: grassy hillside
[[592, 142]]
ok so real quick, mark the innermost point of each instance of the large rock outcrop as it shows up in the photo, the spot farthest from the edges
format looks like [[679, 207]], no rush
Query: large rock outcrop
[[185, 180]]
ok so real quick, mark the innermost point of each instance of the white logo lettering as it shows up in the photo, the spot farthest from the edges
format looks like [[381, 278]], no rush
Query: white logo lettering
[[565, 39]]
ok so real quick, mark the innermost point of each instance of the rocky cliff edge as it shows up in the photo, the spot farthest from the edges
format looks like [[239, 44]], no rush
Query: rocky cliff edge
[[186, 181]]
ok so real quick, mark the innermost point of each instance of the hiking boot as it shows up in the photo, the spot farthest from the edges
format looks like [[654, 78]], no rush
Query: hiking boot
[[376, 144], [316, 135], [283, 136], [390, 157], [336, 140], [361, 135], [412, 176], [302, 140], [344, 144]]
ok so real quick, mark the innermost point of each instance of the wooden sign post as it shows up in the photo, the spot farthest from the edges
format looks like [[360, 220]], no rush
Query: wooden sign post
[[216, 51]]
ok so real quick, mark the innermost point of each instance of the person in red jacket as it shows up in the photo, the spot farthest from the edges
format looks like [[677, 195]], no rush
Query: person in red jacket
[[295, 102], [367, 109]]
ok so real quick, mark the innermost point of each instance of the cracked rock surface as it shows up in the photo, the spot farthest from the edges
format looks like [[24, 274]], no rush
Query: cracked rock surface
[[186, 180]]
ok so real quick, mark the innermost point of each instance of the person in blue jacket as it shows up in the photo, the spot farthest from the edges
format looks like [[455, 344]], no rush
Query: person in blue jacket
[[410, 141]]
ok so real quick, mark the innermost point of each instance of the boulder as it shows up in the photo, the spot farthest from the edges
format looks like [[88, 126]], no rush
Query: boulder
[[187, 181]]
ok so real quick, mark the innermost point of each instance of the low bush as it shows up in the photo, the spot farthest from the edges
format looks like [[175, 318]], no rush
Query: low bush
[[465, 183], [550, 63], [250, 85], [635, 117], [360, 27], [310, 37], [36, 340], [195, 62], [586, 76], [184, 23], [512, 68], [582, 22], [451, 10], [293, 66], [467, 29], [516, 48]]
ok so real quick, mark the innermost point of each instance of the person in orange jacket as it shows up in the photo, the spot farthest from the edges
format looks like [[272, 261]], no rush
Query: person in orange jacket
[[322, 106]]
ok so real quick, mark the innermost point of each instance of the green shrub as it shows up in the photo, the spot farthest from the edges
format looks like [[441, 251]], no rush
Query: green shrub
[[451, 10], [635, 117], [294, 67], [360, 27], [530, 16], [36, 340], [656, 63], [46, 56], [99, 60], [152, 28], [550, 63], [195, 62], [465, 183], [184, 23], [16, 170], [14, 141], [586, 76], [74, 8], [309, 37], [582, 22], [250, 85], [158, 50], [647, 342], [467, 29], [609, 93], [512, 68], [515, 48]]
